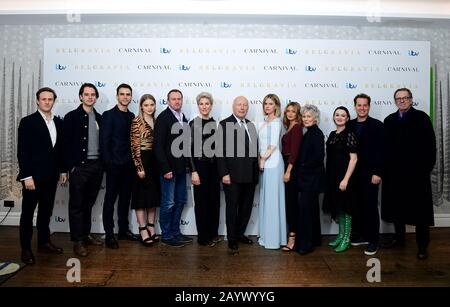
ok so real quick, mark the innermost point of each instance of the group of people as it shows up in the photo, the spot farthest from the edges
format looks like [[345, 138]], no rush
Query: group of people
[[147, 159]]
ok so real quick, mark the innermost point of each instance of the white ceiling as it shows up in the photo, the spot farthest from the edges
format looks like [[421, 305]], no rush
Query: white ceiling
[[289, 11]]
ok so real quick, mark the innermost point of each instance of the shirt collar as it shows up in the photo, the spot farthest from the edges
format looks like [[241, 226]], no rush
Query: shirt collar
[[43, 115], [238, 119], [176, 112]]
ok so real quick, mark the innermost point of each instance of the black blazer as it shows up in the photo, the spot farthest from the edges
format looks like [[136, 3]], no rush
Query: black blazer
[[163, 141], [370, 147], [35, 152], [76, 136], [115, 142], [311, 169], [241, 169]]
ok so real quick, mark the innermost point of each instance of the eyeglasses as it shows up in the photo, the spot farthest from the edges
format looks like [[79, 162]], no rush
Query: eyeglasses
[[402, 98]]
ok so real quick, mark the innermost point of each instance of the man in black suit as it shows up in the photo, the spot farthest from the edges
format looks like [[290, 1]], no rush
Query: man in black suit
[[82, 159], [237, 152], [170, 125], [39, 152], [409, 158], [115, 150], [366, 219]]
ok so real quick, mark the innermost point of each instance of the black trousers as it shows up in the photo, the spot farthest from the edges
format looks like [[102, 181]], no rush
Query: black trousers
[[366, 217], [84, 185], [239, 205], [119, 182], [44, 195], [308, 222], [422, 234], [207, 200], [291, 196]]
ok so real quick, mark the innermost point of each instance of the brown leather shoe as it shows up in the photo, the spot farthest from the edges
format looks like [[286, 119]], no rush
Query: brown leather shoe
[[91, 240], [79, 249], [50, 248], [27, 257]]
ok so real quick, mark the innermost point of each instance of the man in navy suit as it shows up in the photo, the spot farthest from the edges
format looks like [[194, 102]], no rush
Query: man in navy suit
[[115, 150], [39, 153]]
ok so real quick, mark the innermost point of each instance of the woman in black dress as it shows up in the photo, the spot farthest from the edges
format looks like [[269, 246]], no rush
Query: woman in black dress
[[341, 161], [146, 191]]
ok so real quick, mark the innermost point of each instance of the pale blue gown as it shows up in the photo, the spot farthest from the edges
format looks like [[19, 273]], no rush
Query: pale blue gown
[[272, 209]]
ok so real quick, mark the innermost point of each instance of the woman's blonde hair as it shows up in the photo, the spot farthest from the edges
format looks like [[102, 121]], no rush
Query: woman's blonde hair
[[277, 103]]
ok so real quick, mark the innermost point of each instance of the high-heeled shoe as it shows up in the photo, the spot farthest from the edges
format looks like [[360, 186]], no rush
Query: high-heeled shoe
[[154, 237], [286, 248], [147, 241]]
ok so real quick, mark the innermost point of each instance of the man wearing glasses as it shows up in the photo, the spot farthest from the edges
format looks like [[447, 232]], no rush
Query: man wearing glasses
[[409, 157]]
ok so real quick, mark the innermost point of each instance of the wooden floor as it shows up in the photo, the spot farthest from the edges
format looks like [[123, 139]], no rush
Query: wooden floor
[[194, 265]]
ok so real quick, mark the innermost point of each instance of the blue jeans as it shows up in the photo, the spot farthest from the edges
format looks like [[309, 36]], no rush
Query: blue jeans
[[173, 198]]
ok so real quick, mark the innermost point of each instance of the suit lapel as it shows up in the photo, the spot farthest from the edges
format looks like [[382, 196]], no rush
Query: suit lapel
[[43, 129]]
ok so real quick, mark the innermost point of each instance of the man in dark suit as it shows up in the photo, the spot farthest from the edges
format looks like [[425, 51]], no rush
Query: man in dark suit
[[369, 132], [237, 152], [170, 125], [39, 152], [82, 159], [115, 150], [409, 158]]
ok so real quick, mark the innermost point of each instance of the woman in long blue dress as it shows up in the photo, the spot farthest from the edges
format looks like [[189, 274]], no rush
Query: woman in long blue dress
[[272, 214]]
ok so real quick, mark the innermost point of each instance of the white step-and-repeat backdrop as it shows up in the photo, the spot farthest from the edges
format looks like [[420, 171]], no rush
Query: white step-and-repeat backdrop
[[326, 73]]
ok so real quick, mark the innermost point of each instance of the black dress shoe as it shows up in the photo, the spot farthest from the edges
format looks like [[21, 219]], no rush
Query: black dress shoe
[[305, 251], [110, 242], [27, 257], [393, 244], [245, 240], [128, 235], [50, 248], [183, 239], [91, 240], [79, 249], [422, 254], [233, 245]]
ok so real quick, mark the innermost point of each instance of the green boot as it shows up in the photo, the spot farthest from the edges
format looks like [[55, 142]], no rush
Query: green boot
[[345, 243], [340, 235]]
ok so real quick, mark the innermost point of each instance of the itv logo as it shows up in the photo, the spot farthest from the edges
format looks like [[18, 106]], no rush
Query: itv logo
[[310, 68], [99, 84], [351, 86], [60, 67], [165, 50], [183, 67], [163, 102], [291, 51], [59, 219], [413, 53], [225, 85]]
